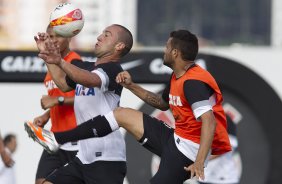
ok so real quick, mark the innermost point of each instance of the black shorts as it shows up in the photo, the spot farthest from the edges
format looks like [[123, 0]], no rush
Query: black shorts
[[48, 163], [158, 138], [99, 172]]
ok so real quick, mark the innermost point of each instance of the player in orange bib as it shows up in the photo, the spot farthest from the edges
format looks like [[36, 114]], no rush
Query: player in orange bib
[[196, 104], [59, 106]]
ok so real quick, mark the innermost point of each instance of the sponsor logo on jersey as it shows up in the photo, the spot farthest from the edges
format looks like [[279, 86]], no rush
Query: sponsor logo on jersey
[[50, 85], [83, 91], [175, 100]]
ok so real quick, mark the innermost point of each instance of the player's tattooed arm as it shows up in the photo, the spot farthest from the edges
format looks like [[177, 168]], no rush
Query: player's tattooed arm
[[153, 99], [156, 101]]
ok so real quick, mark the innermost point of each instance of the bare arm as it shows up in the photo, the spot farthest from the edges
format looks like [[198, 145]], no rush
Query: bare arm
[[59, 77], [80, 76], [44, 44], [42, 119], [50, 53], [51, 101], [69, 101], [150, 98], [46, 103], [207, 133], [8, 161], [60, 68]]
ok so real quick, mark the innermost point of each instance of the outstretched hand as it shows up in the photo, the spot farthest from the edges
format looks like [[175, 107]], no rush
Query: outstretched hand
[[124, 79], [48, 50], [196, 169], [40, 41]]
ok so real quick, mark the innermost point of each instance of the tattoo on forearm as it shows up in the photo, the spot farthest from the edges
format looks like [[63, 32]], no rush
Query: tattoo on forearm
[[153, 99]]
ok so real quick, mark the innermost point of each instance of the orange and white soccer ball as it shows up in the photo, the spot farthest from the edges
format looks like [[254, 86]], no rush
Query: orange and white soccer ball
[[67, 20]]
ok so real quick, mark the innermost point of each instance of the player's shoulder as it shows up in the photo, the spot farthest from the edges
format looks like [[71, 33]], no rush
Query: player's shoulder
[[83, 64], [110, 66], [72, 56]]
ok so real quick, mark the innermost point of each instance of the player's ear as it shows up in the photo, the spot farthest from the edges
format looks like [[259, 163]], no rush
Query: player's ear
[[120, 46], [175, 52]]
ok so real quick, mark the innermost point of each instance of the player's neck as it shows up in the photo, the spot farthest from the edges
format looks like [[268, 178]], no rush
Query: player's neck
[[65, 52], [107, 59], [181, 69]]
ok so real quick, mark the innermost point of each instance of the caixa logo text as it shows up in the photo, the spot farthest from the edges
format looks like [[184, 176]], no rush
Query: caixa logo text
[[22, 64]]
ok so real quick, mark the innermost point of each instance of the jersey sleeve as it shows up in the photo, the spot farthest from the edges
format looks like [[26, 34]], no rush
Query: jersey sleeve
[[107, 73], [199, 96], [166, 91], [165, 94]]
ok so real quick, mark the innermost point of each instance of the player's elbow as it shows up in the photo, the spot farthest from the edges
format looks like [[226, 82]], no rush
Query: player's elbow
[[64, 87], [163, 108]]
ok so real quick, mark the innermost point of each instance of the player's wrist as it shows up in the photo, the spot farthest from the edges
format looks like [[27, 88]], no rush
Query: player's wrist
[[131, 86], [61, 63], [46, 116], [61, 100]]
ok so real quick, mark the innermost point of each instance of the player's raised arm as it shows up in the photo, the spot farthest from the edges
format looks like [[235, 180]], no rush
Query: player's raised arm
[[149, 97], [59, 68], [80, 76], [50, 53]]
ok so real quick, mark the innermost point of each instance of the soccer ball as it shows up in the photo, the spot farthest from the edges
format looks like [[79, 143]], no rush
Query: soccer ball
[[66, 20]]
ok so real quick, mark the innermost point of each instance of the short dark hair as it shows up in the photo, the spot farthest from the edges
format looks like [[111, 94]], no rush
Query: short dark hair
[[8, 138], [186, 42], [127, 38]]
